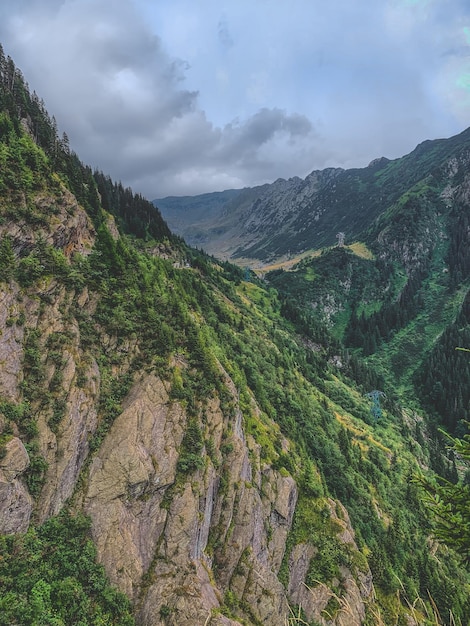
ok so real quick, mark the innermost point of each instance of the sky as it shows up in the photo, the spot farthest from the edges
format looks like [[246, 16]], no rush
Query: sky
[[181, 97]]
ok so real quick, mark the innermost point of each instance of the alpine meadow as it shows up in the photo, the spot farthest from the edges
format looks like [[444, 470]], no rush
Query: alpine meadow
[[270, 428]]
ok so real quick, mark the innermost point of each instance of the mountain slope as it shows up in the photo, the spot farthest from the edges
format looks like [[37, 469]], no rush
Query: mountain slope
[[207, 440], [191, 217], [395, 305], [289, 217]]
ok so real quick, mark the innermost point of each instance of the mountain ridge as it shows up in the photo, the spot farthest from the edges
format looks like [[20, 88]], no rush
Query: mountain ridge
[[288, 217]]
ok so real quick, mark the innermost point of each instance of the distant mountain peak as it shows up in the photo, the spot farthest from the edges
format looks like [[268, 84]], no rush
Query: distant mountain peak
[[379, 161]]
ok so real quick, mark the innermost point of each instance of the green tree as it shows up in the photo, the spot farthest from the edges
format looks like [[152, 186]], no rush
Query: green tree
[[449, 505]]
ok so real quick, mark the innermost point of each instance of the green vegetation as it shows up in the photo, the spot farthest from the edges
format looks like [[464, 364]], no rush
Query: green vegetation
[[405, 317], [49, 576]]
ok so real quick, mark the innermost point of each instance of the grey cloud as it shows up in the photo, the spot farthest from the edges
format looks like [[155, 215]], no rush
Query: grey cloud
[[263, 126], [124, 101], [224, 34], [121, 99], [298, 125]]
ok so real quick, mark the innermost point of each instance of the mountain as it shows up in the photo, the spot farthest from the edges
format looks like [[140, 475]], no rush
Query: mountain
[[396, 290], [182, 444], [193, 216], [289, 217], [403, 301]]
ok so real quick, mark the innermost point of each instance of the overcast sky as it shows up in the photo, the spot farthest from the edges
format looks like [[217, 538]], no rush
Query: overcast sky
[[178, 97]]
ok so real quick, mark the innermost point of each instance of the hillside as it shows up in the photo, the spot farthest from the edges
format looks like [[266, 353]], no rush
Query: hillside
[[181, 444], [288, 217], [193, 217], [405, 306]]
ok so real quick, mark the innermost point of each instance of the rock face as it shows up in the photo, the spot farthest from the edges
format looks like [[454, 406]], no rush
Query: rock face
[[128, 479], [67, 226], [66, 450], [150, 527], [15, 502], [356, 589], [11, 341], [186, 548]]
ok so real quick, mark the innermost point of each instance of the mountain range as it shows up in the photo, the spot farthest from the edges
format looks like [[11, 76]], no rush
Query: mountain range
[[184, 442], [382, 254], [289, 217]]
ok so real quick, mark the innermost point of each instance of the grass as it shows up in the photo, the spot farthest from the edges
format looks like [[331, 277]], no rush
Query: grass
[[405, 352], [281, 263], [418, 611], [360, 249]]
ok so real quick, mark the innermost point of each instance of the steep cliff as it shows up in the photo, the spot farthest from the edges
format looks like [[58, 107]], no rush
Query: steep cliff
[[187, 546]]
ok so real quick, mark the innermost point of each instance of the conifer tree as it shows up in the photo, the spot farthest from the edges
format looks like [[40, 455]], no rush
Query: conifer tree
[[449, 505], [449, 502]]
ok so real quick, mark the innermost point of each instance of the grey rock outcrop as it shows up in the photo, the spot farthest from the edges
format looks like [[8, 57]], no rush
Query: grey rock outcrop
[[15, 501]]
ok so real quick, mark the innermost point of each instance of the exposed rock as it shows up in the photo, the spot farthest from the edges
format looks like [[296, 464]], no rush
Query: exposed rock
[[68, 228], [113, 229], [11, 345], [127, 482], [178, 546], [147, 535], [352, 610], [356, 588], [74, 234], [15, 501], [299, 561], [66, 452], [279, 510], [16, 459]]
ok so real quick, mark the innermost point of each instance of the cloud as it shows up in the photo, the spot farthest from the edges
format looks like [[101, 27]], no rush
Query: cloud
[[185, 97], [263, 127], [121, 98], [207, 158], [224, 34]]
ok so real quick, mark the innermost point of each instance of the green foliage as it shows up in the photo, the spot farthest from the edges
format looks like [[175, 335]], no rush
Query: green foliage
[[29, 270], [113, 391], [165, 611], [191, 458], [26, 165], [23, 164], [35, 474], [33, 367], [44, 260], [136, 215], [449, 505], [324, 566], [292, 377], [443, 379], [50, 576]]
